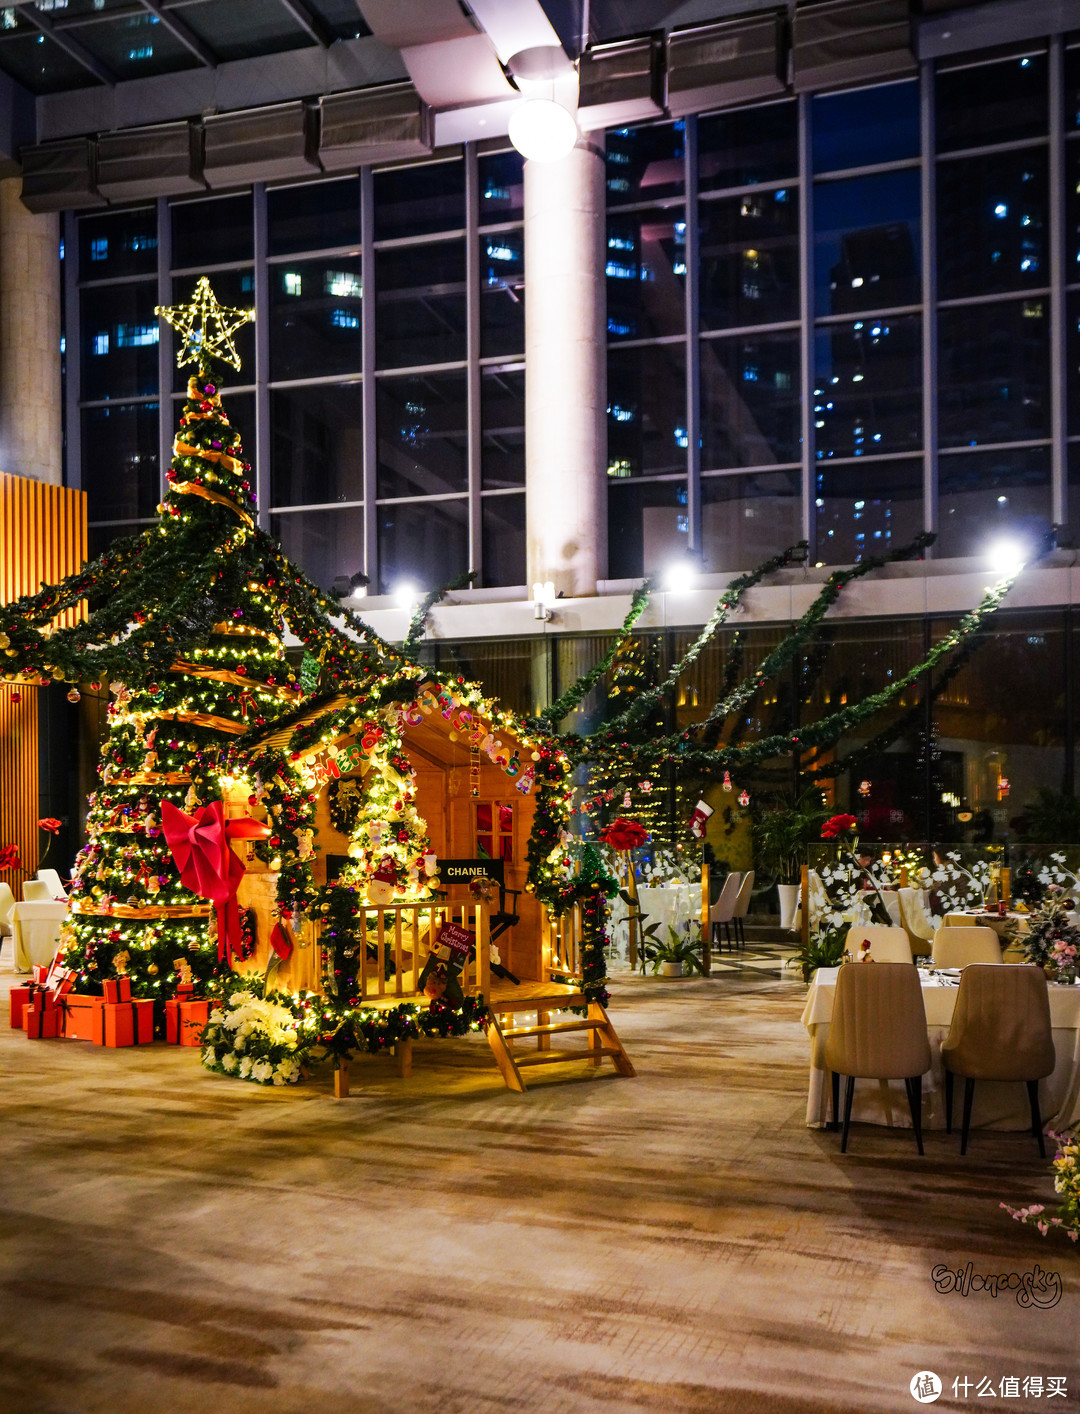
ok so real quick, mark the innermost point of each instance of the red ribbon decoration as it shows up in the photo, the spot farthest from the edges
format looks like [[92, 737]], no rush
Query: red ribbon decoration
[[208, 867]]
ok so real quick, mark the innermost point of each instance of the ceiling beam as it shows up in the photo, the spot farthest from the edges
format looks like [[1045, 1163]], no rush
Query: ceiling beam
[[33, 16], [179, 30], [311, 22]]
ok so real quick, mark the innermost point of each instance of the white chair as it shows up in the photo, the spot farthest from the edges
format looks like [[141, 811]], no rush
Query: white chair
[[960, 947], [886, 944], [723, 910], [7, 903], [742, 907], [55, 885], [35, 891]]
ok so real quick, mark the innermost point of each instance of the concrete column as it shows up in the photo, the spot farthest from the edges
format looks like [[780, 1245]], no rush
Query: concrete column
[[30, 421], [566, 372]]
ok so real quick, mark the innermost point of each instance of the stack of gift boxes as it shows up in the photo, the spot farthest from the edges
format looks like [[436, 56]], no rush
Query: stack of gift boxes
[[47, 1007]]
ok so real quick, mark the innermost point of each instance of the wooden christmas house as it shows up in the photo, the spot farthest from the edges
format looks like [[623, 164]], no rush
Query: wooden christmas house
[[394, 813]]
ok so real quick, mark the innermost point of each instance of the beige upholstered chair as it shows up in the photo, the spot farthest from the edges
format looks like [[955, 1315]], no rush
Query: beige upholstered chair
[[35, 891], [958, 947], [723, 910], [891, 899], [1000, 1031], [878, 1032], [958, 920], [742, 906], [916, 920], [52, 880], [886, 944], [7, 903]]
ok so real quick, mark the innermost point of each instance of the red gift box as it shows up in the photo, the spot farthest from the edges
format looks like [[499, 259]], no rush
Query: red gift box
[[42, 1020], [83, 1019], [128, 1023], [39, 975], [184, 1021], [21, 998], [117, 990]]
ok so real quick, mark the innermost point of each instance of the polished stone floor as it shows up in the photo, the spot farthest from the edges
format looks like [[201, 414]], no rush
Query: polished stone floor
[[679, 1242]]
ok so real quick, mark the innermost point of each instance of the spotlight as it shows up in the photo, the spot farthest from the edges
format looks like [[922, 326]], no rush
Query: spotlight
[[1007, 558], [679, 577], [543, 130], [407, 595]]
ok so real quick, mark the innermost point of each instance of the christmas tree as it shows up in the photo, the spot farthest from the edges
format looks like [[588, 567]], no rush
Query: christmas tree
[[187, 628]]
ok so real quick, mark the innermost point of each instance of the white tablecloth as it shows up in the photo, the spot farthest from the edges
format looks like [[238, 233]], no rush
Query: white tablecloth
[[35, 928], [998, 1105], [670, 906]]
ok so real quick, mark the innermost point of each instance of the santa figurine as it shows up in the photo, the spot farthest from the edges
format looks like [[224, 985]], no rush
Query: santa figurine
[[380, 890]]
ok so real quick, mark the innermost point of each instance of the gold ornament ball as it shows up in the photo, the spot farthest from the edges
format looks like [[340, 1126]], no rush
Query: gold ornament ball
[[153, 969], [536, 756], [4, 640]]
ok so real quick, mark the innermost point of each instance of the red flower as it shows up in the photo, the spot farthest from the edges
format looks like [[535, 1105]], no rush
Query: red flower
[[624, 834], [51, 824], [9, 857], [837, 826]]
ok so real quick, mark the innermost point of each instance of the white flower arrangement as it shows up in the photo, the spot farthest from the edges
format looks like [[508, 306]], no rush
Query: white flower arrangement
[[255, 1038]]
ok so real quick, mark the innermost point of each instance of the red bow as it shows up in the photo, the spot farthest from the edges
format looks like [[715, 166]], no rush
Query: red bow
[[208, 867]]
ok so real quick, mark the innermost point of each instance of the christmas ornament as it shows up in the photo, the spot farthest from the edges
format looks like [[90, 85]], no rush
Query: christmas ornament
[[205, 327], [727, 781], [696, 823]]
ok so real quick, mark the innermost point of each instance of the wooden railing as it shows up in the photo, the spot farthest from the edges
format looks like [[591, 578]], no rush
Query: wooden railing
[[561, 941], [406, 933]]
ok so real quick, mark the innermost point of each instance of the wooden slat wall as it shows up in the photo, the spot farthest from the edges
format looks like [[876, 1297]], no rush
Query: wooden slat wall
[[42, 539]]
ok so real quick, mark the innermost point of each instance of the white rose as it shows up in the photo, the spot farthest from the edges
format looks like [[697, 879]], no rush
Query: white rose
[[240, 1043], [230, 1061], [262, 1071], [245, 1068], [208, 1056], [217, 1016]]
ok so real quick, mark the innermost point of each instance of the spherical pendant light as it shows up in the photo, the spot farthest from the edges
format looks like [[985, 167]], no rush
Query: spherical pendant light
[[542, 130]]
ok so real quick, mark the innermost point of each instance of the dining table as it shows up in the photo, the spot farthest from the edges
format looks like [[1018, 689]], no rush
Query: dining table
[[997, 1105], [35, 931]]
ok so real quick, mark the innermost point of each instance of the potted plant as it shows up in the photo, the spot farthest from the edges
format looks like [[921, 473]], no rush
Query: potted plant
[[781, 836], [823, 948], [680, 955]]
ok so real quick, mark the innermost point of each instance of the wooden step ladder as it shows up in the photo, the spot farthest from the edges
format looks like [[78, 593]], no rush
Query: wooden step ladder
[[503, 1036]]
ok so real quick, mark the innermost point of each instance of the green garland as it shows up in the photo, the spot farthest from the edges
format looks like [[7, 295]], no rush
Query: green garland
[[830, 728], [646, 703], [551, 716], [411, 646]]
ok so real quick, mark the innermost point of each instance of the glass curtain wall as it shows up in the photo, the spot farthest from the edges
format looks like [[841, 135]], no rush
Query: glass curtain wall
[[381, 395], [836, 316]]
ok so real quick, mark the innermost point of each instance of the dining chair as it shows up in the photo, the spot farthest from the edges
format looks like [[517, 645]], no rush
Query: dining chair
[[959, 947], [742, 907], [878, 1032], [723, 910], [916, 920], [891, 899], [886, 944], [35, 891], [1000, 1031], [53, 882], [7, 903], [958, 920]]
